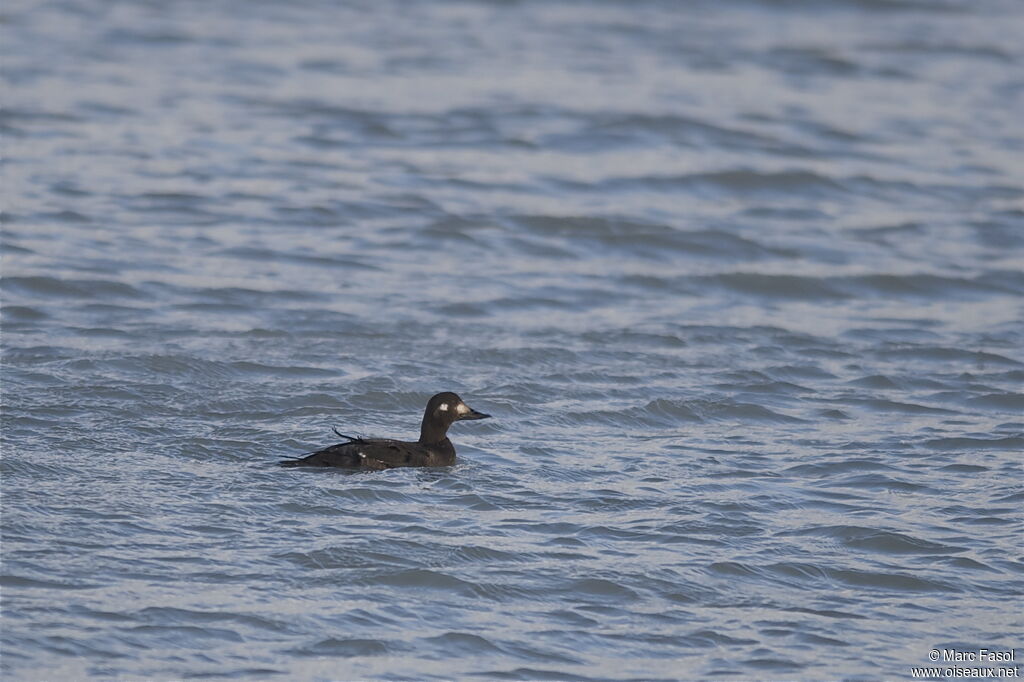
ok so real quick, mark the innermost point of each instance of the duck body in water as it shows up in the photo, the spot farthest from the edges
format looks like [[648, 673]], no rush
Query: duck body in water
[[433, 449]]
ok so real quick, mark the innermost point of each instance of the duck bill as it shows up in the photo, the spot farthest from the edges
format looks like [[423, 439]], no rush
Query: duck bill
[[473, 414]]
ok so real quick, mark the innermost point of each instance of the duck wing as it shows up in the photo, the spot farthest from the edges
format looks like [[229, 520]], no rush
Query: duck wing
[[372, 454]]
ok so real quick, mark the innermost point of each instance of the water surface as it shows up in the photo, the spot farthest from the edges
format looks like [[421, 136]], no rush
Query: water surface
[[741, 284]]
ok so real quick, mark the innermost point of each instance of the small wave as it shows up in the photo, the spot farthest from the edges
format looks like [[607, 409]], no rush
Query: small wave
[[798, 373], [534, 675], [347, 648], [606, 590], [776, 286], [703, 639], [370, 495], [743, 412], [331, 558], [471, 501], [826, 613], [670, 411], [177, 635], [180, 616], [247, 298], [940, 354], [304, 259], [142, 37], [680, 130], [287, 371], [804, 573], [65, 217], [817, 640], [897, 582], [876, 381], [479, 554], [71, 288], [930, 286], [842, 466], [649, 239], [892, 406], [776, 665], [462, 644], [1009, 402], [666, 412], [962, 562], [739, 182], [835, 415], [178, 367], [1009, 444], [963, 469], [811, 61], [17, 581], [876, 540], [879, 482], [932, 48], [423, 579], [824, 288]]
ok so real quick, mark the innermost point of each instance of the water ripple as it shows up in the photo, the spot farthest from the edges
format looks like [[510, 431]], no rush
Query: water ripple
[[741, 287]]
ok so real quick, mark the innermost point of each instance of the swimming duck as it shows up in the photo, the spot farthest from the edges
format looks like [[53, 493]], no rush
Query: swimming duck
[[433, 449]]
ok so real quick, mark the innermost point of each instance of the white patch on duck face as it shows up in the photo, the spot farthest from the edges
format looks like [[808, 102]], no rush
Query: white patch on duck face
[[443, 407], [462, 408]]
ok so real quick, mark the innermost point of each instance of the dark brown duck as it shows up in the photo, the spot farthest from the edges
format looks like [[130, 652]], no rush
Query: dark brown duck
[[433, 449]]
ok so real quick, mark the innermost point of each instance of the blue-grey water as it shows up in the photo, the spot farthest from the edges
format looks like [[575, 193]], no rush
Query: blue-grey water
[[741, 283]]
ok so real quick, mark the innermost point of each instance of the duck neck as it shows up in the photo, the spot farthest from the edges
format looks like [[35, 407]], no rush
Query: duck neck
[[431, 432]]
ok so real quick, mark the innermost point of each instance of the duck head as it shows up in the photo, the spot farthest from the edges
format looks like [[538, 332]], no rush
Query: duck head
[[443, 410]]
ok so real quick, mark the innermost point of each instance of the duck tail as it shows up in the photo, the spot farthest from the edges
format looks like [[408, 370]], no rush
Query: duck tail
[[351, 439]]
